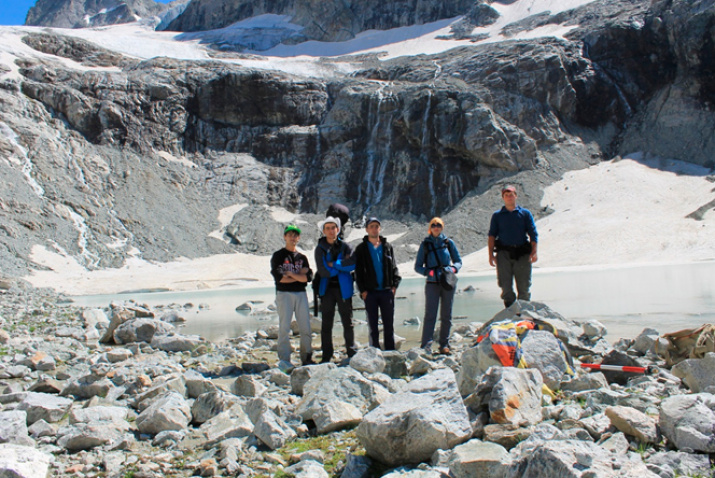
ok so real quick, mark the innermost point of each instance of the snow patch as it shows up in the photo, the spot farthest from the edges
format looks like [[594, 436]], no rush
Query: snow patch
[[225, 216]]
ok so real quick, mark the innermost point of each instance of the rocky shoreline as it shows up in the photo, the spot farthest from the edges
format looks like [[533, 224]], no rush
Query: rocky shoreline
[[120, 392]]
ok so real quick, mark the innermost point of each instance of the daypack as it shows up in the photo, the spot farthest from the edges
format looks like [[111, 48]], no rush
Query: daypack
[[686, 344]]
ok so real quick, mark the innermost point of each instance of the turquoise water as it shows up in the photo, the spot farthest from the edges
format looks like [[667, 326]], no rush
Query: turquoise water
[[626, 300]]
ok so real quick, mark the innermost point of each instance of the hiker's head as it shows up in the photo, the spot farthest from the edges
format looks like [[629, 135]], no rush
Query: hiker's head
[[291, 235], [436, 226], [330, 227], [373, 227]]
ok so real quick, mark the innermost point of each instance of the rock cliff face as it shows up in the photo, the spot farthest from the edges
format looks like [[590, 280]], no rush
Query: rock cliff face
[[92, 13], [323, 21], [94, 147]]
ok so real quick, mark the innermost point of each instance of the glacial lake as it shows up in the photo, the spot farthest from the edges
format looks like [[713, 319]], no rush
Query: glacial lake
[[626, 300]]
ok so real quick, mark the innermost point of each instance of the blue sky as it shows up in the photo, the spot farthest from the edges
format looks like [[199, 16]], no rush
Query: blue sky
[[13, 12]]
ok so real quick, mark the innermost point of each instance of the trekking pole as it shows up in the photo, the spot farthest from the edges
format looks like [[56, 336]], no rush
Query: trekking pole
[[650, 369]]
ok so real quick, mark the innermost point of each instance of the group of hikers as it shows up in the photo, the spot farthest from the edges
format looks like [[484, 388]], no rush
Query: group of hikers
[[512, 247]]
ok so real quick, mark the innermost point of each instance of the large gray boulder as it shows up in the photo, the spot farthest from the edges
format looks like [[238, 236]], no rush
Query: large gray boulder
[[572, 459], [168, 412], [17, 461], [141, 330], [697, 374], [688, 421], [412, 425], [343, 384], [511, 395]]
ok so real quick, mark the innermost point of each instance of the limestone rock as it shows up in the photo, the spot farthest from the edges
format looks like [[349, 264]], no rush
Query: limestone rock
[[341, 384], [273, 431], [13, 428], [141, 330], [248, 386], [411, 425], [43, 406], [512, 396], [168, 412], [177, 342], [697, 374], [232, 423], [573, 459], [307, 469], [478, 458], [687, 421], [368, 360], [19, 461], [635, 423], [301, 375], [335, 416]]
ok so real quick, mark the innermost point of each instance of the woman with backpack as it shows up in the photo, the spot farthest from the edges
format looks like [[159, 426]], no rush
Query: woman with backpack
[[438, 259]]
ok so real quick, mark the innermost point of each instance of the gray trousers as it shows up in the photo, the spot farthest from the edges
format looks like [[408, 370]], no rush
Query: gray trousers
[[434, 293], [510, 271], [287, 304]]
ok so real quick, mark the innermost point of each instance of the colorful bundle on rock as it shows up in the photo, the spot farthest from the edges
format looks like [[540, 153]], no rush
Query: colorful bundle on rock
[[506, 337]]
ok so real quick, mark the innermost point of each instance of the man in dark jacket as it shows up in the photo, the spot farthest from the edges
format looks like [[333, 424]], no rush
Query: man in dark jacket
[[377, 278]]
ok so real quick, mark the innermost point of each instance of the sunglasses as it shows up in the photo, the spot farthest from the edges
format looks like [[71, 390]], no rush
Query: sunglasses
[[435, 226]]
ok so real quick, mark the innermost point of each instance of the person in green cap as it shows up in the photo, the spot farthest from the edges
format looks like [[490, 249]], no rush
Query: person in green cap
[[292, 272]]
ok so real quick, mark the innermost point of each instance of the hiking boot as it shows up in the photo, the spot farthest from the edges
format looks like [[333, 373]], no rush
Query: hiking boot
[[285, 366], [445, 351], [308, 360]]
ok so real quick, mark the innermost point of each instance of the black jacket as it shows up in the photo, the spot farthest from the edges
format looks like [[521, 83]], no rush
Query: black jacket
[[365, 271]]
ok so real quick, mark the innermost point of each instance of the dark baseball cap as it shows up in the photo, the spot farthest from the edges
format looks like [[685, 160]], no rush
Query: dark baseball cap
[[371, 220]]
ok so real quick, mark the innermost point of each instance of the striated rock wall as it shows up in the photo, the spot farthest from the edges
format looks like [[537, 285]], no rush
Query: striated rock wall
[[91, 13], [97, 145]]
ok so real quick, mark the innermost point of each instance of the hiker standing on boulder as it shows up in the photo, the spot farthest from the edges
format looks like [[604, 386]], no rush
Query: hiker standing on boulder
[[377, 278], [512, 247], [291, 272], [335, 264], [436, 254]]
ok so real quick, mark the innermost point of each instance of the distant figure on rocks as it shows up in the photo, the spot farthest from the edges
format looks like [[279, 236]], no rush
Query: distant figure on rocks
[[292, 272], [512, 247], [377, 278], [436, 254], [335, 264]]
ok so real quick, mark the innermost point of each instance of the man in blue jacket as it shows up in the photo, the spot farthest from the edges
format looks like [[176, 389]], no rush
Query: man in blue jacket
[[512, 247], [377, 277], [335, 263]]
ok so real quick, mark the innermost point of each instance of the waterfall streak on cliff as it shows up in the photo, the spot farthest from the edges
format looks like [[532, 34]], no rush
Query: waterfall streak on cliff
[[91, 260], [24, 161], [379, 149]]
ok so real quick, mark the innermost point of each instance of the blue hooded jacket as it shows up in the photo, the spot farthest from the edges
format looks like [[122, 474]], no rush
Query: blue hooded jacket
[[343, 265], [426, 260]]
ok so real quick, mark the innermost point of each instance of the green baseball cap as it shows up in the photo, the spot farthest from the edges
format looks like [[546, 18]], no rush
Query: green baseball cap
[[291, 227]]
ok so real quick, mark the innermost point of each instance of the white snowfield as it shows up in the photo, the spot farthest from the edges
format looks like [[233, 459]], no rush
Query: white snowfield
[[614, 214]]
